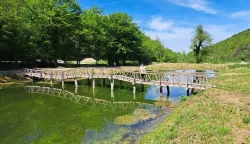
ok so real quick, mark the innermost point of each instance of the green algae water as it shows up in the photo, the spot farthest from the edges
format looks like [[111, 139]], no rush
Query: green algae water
[[42, 118]]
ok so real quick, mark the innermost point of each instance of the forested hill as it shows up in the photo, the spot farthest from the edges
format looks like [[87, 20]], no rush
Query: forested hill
[[235, 48]]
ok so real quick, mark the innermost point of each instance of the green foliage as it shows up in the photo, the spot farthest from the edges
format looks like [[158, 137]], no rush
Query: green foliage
[[233, 49], [126, 120], [184, 98], [246, 120], [54, 30], [201, 40]]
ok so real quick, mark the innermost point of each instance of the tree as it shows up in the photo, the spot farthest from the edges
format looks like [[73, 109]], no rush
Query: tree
[[49, 30], [94, 32], [201, 40], [123, 38]]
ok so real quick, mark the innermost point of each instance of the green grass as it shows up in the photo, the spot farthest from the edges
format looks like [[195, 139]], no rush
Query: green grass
[[218, 115], [246, 120], [184, 98]]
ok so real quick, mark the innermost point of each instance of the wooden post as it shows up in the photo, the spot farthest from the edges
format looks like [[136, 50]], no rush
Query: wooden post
[[63, 84], [194, 79], [168, 91], [51, 79], [134, 87], [93, 83], [93, 92], [112, 84], [62, 78], [134, 97], [76, 84], [51, 82], [160, 87], [112, 96], [76, 90]]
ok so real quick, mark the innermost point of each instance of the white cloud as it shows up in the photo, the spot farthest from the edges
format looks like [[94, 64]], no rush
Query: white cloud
[[157, 23], [199, 5], [245, 15], [178, 38]]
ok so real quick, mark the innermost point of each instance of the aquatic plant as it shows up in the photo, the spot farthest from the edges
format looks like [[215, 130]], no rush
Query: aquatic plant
[[126, 120], [140, 112], [135, 117]]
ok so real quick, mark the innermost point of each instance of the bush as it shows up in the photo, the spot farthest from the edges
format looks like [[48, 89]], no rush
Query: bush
[[246, 120], [184, 98]]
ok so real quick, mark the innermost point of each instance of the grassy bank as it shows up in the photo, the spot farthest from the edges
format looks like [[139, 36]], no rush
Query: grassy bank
[[220, 115], [8, 79]]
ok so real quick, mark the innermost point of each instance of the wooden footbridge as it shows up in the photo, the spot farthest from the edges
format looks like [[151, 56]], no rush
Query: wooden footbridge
[[88, 101], [188, 80]]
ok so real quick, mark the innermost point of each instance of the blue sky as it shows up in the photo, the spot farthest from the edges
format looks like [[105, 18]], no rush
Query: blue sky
[[174, 21]]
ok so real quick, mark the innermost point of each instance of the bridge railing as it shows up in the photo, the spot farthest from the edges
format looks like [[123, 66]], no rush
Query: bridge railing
[[167, 78]]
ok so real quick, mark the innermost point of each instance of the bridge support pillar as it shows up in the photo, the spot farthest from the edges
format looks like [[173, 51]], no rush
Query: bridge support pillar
[[51, 82], [76, 90], [112, 95], [188, 93], [134, 95], [63, 84], [93, 92], [93, 83], [168, 91], [76, 83], [134, 88], [112, 84], [160, 90]]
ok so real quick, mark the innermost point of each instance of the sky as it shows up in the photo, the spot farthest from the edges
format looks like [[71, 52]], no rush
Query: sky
[[174, 21]]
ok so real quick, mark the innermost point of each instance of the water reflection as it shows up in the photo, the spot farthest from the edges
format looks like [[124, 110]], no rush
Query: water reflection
[[76, 90], [153, 93], [112, 95], [190, 79]]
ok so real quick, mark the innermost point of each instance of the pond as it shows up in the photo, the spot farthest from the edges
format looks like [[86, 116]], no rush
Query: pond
[[45, 118]]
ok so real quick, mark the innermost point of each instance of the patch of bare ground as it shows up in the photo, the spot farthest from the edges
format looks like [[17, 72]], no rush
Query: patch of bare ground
[[233, 74], [242, 136], [230, 97], [12, 78]]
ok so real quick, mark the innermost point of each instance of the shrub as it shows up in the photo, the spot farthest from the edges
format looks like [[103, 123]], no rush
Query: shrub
[[184, 98], [246, 120]]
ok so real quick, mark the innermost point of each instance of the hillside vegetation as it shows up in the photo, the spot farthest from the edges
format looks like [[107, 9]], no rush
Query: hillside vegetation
[[235, 48]]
